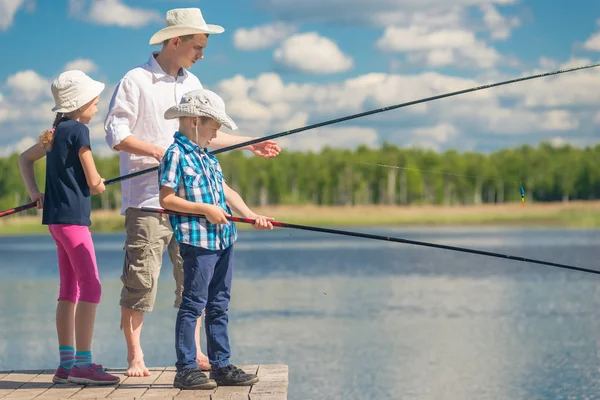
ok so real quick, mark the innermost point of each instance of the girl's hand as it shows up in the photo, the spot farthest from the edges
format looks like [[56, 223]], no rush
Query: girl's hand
[[261, 222], [39, 198], [99, 188], [216, 215]]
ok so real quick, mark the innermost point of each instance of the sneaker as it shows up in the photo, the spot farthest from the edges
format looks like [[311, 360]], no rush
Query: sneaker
[[61, 375], [193, 379], [232, 376], [93, 375]]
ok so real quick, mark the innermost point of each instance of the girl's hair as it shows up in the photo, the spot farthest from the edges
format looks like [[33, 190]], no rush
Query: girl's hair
[[47, 137]]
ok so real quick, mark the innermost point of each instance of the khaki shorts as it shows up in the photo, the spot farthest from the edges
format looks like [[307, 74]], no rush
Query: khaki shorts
[[148, 236]]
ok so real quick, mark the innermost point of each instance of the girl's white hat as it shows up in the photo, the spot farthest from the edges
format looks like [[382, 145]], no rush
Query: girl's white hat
[[184, 21], [73, 89], [201, 103]]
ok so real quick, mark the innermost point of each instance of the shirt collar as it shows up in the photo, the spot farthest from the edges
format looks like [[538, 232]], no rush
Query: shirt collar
[[187, 144], [157, 70]]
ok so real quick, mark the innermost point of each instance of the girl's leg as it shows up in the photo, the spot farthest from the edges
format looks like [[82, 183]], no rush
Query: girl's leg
[[77, 241], [80, 249], [65, 310]]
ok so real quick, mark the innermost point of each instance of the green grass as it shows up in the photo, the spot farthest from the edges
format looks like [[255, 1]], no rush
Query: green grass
[[572, 215]]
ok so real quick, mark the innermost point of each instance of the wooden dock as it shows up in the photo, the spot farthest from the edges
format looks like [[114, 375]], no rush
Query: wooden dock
[[23, 385]]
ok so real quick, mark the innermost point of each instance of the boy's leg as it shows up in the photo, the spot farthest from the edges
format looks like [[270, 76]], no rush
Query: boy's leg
[[215, 317], [148, 235], [198, 268], [177, 261], [217, 321]]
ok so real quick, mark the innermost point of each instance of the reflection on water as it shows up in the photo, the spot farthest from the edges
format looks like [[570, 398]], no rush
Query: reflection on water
[[358, 319]]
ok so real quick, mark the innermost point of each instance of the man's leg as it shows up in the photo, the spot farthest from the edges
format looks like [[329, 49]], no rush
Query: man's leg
[[177, 261], [148, 235]]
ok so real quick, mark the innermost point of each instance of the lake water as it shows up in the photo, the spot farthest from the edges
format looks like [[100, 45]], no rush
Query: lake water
[[358, 318]]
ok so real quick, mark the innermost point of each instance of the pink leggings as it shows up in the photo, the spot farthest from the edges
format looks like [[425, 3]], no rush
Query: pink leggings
[[76, 263]]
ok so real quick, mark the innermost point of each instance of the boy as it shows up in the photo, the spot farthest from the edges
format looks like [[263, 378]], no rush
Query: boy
[[191, 181]]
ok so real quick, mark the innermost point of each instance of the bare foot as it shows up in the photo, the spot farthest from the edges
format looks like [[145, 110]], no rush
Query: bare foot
[[202, 361], [137, 368]]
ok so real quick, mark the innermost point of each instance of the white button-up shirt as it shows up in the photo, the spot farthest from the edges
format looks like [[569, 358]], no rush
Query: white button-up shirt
[[137, 108]]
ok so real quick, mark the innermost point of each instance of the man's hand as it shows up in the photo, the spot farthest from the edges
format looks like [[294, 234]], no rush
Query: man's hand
[[266, 149], [158, 153]]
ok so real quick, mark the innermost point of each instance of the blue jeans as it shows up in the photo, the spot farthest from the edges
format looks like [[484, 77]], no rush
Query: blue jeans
[[206, 285]]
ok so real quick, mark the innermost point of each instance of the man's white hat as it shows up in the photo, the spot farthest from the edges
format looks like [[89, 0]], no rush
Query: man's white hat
[[73, 89], [184, 21], [201, 103]]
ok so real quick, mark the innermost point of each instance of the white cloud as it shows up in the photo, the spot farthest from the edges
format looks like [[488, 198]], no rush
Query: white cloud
[[593, 42], [499, 26], [28, 84], [419, 38], [262, 37], [441, 132], [267, 105], [8, 9], [438, 48], [17, 147], [349, 137], [548, 63], [378, 12], [312, 53], [113, 13], [81, 64]]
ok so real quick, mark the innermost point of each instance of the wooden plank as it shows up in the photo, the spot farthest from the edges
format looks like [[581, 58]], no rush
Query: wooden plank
[[161, 393], [38, 384], [59, 392], [162, 388], [135, 386], [270, 396], [34, 387], [230, 396], [11, 382], [195, 394], [273, 380], [101, 392]]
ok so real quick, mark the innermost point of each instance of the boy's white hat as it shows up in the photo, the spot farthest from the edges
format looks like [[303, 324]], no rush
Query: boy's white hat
[[73, 89], [184, 21], [201, 103]]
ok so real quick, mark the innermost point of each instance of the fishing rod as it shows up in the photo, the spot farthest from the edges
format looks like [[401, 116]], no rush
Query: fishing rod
[[384, 238], [363, 114], [333, 121]]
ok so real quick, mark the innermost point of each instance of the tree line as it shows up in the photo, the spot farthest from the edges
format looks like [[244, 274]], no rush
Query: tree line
[[387, 175]]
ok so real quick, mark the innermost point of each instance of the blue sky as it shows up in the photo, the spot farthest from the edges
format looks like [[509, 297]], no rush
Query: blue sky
[[282, 64]]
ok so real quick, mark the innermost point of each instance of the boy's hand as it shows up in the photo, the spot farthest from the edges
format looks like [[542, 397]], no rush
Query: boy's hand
[[216, 215], [39, 199], [262, 222]]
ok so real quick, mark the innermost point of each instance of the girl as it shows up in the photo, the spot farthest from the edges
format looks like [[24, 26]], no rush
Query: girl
[[71, 177]]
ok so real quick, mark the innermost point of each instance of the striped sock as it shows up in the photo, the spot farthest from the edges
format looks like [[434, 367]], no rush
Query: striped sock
[[67, 356], [83, 359]]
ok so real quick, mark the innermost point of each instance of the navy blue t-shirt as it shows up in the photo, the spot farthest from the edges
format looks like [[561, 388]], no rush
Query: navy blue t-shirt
[[67, 197]]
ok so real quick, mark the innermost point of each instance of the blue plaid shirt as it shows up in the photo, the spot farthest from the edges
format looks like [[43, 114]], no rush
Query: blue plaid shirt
[[195, 175]]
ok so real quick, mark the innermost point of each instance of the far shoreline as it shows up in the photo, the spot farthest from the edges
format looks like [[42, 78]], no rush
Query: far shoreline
[[575, 214]]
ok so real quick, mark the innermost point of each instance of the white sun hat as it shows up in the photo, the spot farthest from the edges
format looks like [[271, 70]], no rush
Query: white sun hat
[[184, 21], [73, 89], [201, 103]]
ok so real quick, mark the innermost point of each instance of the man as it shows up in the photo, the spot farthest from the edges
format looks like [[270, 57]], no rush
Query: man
[[136, 127]]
